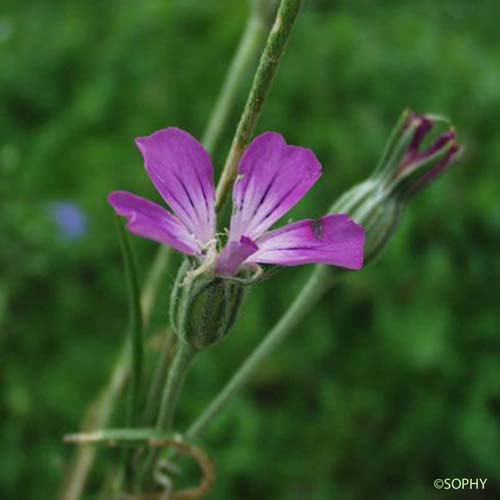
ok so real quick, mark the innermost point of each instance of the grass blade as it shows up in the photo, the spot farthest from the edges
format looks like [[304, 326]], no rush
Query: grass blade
[[135, 315]]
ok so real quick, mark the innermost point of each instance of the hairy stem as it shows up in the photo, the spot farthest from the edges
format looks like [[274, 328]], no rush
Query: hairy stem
[[319, 282], [269, 62]]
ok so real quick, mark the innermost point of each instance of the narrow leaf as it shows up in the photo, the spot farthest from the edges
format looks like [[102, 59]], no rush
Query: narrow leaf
[[135, 315]]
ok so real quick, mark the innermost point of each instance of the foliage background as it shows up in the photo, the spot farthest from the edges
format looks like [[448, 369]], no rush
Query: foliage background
[[394, 380]]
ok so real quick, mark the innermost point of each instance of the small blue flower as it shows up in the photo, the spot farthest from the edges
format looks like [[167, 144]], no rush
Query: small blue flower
[[70, 219]]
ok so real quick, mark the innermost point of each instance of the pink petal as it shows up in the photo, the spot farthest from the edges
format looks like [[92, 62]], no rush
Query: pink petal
[[149, 220], [234, 254], [334, 239], [273, 177], [182, 172]]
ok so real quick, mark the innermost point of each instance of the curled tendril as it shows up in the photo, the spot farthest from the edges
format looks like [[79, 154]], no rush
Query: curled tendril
[[152, 439]]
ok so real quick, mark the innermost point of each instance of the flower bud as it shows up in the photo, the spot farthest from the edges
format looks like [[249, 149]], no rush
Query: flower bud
[[405, 168], [406, 165], [204, 307]]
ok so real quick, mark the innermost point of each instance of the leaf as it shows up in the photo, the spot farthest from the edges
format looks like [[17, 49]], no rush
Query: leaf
[[136, 323]]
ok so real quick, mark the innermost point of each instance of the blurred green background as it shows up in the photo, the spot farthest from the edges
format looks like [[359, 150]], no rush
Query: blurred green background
[[394, 380]]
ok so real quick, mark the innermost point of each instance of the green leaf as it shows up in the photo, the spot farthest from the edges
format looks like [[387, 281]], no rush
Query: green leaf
[[135, 314]]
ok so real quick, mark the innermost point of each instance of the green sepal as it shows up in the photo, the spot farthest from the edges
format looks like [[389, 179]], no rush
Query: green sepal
[[204, 307]]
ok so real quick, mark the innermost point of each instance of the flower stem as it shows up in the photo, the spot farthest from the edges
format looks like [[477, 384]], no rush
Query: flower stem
[[319, 282], [176, 376], [269, 62], [175, 380], [158, 379]]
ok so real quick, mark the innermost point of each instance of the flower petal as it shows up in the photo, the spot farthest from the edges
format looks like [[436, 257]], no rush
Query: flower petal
[[273, 177], [149, 220], [334, 239], [234, 254], [182, 172]]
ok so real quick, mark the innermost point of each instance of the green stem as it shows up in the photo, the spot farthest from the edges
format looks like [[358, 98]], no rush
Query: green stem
[[158, 381], [268, 64], [176, 376], [319, 282], [274, 48], [175, 380]]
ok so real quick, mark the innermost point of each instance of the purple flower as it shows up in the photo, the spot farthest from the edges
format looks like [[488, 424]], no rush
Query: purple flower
[[71, 221], [272, 178]]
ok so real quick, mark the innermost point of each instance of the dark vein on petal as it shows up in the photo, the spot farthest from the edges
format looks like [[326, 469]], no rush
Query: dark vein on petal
[[186, 191], [266, 193], [205, 197], [278, 204], [171, 195]]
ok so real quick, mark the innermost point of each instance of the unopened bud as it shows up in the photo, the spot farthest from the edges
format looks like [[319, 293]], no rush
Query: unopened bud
[[204, 307], [405, 168]]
